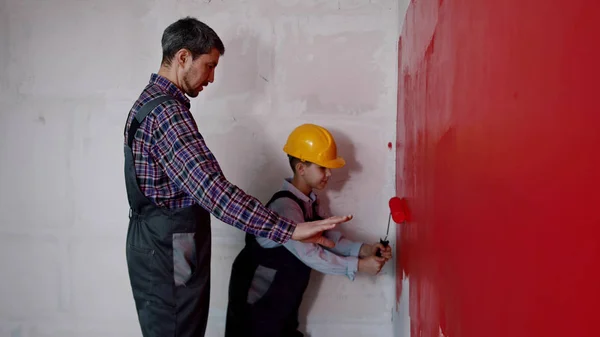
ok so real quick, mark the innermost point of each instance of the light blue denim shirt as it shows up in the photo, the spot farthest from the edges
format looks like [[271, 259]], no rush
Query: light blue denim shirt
[[340, 260]]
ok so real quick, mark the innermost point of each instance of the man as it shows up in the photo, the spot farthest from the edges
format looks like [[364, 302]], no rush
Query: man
[[173, 185]]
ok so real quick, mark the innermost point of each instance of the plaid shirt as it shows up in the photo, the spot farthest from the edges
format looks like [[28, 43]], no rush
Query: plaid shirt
[[175, 168]]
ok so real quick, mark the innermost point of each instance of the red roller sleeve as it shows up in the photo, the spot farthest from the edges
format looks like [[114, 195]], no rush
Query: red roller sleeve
[[398, 209]]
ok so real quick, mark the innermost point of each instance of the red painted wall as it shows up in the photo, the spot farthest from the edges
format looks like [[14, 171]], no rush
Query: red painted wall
[[502, 167]]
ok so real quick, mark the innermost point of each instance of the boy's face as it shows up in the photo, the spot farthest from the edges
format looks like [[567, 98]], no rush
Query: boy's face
[[315, 176]]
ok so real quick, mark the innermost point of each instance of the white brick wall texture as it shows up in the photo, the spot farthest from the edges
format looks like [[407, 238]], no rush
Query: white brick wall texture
[[69, 72]]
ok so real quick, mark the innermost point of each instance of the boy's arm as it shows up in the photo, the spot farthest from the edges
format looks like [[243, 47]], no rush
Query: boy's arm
[[314, 255], [343, 245], [346, 247], [323, 260]]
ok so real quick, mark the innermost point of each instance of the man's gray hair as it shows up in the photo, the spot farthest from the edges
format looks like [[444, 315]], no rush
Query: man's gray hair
[[191, 34]]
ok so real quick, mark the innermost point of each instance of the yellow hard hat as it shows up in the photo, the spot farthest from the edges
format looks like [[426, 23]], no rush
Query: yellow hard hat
[[313, 143]]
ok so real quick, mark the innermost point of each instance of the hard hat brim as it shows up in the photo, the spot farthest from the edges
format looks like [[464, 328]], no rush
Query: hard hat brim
[[334, 164]]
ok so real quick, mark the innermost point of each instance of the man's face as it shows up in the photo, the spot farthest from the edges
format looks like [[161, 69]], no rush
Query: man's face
[[198, 73]]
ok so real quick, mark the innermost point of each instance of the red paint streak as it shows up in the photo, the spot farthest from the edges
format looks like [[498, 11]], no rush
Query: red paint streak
[[390, 145], [502, 175], [399, 190]]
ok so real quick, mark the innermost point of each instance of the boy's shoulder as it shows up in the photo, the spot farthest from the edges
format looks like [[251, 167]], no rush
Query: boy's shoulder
[[286, 204], [284, 197], [282, 194]]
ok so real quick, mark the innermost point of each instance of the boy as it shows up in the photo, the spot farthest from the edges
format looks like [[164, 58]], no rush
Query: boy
[[268, 279]]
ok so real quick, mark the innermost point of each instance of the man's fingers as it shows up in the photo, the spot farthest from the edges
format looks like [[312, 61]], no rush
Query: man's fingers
[[325, 227], [329, 223], [337, 219], [305, 231]]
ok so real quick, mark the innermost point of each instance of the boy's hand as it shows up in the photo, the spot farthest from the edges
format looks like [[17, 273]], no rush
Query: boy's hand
[[371, 265], [313, 231], [370, 250]]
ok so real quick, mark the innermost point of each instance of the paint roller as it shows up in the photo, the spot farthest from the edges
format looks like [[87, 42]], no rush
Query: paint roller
[[398, 214]]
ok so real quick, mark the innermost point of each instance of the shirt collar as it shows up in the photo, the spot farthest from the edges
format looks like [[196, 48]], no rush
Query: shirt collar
[[288, 186], [170, 88]]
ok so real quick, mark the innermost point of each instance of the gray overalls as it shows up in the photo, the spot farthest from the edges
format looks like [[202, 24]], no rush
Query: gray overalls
[[163, 245]]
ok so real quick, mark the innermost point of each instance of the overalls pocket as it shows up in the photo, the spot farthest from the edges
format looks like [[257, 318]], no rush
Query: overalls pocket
[[141, 269], [184, 258]]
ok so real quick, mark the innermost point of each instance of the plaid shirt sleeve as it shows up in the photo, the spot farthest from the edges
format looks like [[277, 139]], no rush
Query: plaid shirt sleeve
[[181, 151]]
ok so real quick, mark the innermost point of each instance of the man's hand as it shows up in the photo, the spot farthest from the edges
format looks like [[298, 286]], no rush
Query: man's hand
[[313, 231], [370, 250]]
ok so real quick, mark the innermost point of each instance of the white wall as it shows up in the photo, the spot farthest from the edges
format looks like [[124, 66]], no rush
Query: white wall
[[69, 72]]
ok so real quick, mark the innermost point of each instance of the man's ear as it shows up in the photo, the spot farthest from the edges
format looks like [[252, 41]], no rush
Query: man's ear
[[182, 56]]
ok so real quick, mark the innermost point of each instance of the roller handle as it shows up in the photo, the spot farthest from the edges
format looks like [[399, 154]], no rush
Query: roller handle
[[384, 243]]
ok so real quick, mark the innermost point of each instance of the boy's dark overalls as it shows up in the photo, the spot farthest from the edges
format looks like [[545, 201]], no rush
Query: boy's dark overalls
[[266, 287]]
